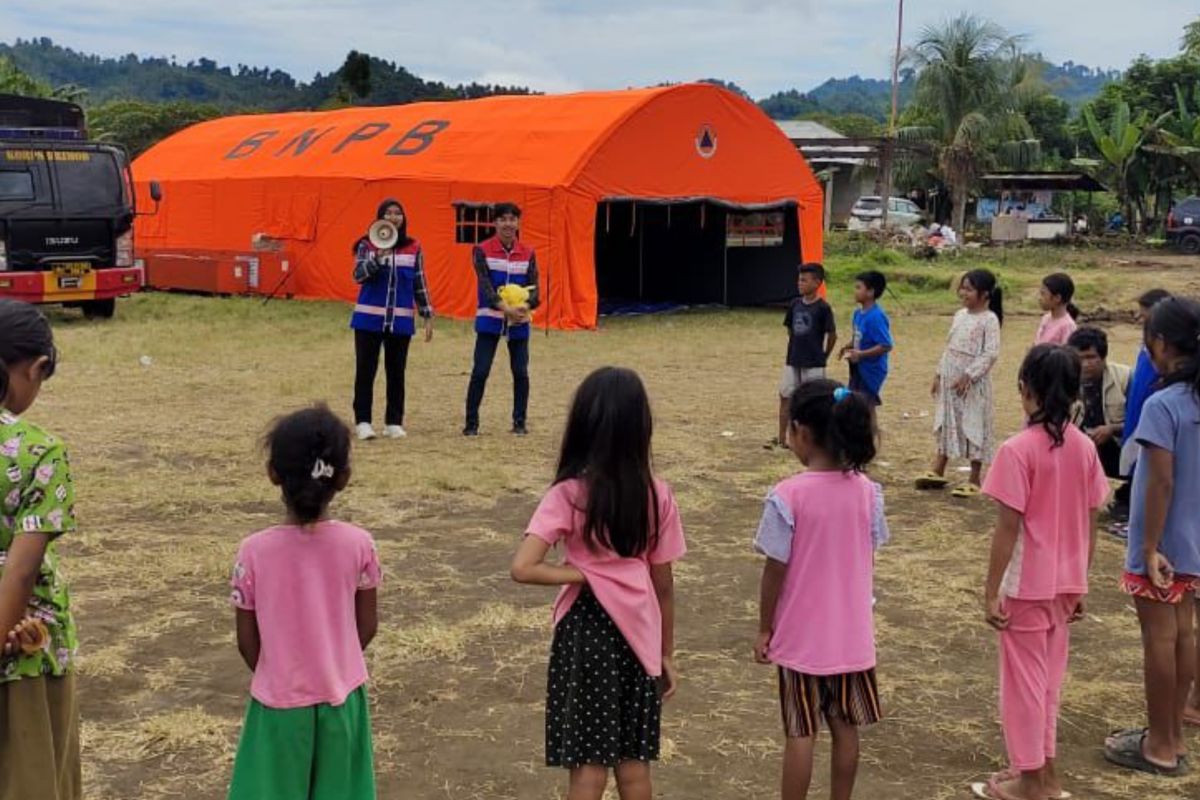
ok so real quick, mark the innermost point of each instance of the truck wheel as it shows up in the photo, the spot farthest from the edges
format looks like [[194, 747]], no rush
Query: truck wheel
[[1190, 244], [100, 309]]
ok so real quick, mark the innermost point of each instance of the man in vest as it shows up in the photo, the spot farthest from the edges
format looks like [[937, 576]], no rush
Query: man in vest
[[500, 260], [1101, 414]]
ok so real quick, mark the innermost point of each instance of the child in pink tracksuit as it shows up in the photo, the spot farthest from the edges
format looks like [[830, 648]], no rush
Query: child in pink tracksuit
[[1048, 484]]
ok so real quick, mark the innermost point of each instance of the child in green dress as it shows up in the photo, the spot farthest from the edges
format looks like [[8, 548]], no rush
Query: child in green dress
[[305, 598]]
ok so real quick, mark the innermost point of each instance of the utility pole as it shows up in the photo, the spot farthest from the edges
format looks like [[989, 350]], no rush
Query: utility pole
[[889, 145]]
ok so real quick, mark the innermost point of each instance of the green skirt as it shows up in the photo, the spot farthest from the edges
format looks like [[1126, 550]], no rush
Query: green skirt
[[320, 752]]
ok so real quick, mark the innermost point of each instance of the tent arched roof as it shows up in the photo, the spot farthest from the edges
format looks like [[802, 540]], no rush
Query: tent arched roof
[[309, 177]]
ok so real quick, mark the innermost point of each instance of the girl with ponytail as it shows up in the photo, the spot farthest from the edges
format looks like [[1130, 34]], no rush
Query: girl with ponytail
[[819, 532], [1058, 323], [1048, 484]]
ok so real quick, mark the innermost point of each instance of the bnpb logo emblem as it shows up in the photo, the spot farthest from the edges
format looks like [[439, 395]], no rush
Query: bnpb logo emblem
[[706, 141]]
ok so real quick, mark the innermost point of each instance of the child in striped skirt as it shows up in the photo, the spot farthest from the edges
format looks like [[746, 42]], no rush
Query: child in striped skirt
[[819, 531]]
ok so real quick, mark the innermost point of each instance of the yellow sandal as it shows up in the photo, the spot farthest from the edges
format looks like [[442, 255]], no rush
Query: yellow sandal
[[967, 491], [931, 480]]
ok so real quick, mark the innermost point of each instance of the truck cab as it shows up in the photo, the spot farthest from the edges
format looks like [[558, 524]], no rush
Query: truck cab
[[66, 210]]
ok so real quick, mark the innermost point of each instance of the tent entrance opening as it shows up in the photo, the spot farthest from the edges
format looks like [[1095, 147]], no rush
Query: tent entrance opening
[[694, 253]]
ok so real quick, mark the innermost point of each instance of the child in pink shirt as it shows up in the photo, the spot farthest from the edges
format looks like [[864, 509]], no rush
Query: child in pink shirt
[[1058, 323], [819, 531], [611, 662], [1048, 485], [306, 610]]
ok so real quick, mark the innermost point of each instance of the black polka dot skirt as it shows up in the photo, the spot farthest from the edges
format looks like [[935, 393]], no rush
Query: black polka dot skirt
[[601, 706]]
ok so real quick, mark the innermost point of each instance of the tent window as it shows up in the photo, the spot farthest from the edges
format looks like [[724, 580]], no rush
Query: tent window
[[757, 229], [472, 223]]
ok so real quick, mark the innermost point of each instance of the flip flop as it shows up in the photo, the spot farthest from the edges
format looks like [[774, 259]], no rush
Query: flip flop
[[931, 480], [1126, 751], [979, 788], [991, 789], [1121, 733], [967, 491]]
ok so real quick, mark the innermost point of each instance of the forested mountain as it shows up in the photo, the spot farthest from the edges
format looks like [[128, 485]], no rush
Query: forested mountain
[[245, 87], [241, 87], [872, 97]]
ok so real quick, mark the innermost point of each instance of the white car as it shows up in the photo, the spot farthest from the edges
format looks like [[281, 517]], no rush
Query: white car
[[868, 213]]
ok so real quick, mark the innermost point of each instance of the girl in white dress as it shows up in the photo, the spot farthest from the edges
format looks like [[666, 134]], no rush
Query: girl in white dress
[[963, 420]]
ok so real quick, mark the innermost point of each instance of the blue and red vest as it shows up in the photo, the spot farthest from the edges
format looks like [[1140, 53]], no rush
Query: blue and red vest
[[504, 267], [386, 300]]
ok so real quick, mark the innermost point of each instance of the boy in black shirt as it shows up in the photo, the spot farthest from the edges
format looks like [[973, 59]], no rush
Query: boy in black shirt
[[812, 334]]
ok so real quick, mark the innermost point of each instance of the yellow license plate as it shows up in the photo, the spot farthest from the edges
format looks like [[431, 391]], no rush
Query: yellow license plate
[[72, 269]]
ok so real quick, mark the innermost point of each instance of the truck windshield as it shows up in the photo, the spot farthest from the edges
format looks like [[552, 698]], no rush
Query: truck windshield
[[61, 181]]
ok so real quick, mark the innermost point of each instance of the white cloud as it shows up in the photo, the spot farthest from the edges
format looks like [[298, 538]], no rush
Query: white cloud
[[557, 45]]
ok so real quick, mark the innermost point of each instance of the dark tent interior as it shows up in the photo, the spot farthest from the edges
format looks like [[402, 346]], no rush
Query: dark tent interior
[[655, 254]]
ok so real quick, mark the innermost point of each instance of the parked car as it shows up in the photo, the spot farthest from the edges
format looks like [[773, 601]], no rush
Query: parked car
[[867, 213], [1183, 225]]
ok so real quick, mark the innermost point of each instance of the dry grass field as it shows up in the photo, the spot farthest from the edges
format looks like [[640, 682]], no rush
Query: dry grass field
[[171, 477]]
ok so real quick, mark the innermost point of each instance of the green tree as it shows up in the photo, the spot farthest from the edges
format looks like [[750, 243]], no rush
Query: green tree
[[852, 125], [1048, 118], [1146, 85], [1191, 39], [1121, 146], [355, 74], [139, 125], [972, 84], [1177, 140], [13, 80], [788, 105]]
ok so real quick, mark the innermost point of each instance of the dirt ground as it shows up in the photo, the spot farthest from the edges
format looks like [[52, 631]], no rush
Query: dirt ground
[[171, 478]]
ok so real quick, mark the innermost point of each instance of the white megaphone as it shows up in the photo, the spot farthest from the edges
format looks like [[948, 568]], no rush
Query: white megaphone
[[382, 234]]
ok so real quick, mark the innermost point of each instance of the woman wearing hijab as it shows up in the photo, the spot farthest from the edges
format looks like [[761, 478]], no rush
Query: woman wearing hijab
[[392, 282]]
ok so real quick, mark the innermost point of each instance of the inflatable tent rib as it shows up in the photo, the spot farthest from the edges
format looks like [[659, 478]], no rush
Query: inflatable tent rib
[[686, 193]]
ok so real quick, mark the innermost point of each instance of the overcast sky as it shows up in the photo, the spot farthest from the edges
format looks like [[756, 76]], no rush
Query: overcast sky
[[562, 45]]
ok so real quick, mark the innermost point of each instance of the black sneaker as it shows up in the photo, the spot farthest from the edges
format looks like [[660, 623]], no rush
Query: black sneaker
[[471, 430], [519, 430]]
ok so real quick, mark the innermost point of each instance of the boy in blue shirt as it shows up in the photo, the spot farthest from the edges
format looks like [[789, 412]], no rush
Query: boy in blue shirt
[[868, 354]]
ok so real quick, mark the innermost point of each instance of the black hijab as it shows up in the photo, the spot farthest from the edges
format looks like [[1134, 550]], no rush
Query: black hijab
[[402, 237]]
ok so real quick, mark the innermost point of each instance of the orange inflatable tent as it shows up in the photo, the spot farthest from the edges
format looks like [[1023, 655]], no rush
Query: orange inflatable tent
[[686, 194]]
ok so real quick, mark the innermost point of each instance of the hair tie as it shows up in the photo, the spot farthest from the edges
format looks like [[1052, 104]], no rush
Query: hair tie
[[840, 394], [322, 470]]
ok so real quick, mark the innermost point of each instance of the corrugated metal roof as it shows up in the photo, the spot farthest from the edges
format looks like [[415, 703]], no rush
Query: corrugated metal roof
[[806, 129]]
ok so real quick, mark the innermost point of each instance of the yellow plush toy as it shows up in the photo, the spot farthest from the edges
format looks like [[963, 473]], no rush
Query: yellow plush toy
[[514, 295]]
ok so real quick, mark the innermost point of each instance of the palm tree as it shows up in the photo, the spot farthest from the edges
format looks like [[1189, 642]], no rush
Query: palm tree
[[972, 84], [1121, 147], [1191, 39]]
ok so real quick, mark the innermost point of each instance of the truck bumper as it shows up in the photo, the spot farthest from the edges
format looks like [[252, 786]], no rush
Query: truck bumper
[[46, 287]]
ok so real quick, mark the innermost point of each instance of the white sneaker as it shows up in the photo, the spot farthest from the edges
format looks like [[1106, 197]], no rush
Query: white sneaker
[[395, 432], [364, 431]]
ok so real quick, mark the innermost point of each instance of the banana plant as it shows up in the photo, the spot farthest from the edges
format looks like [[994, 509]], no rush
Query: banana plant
[[1121, 146], [14, 81], [1181, 138]]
